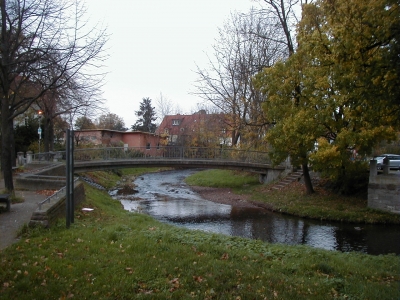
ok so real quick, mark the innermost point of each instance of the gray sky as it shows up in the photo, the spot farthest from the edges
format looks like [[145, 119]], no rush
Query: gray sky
[[154, 48]]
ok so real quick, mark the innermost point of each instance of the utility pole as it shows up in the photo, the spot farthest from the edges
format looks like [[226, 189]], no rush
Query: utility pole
[[69, 197], [40, 113]]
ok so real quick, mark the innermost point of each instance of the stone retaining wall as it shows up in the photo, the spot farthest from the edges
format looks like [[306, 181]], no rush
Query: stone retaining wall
[[55, 209]]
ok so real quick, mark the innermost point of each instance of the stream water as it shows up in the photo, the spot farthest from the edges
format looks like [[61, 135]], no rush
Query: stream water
[[167, 198]]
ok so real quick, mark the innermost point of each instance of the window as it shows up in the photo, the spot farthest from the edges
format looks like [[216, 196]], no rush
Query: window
[[148, 146], [175, 122]]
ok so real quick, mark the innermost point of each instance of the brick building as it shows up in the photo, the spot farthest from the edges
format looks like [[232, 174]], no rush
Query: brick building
[[198, 129]]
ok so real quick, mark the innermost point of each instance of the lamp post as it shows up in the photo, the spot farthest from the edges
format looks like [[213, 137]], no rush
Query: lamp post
[[40, 113]]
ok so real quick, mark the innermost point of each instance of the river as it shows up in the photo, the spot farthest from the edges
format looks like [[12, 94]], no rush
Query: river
[[167, 198]]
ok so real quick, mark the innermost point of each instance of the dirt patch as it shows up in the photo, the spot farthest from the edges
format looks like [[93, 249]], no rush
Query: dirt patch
[[224, 196]]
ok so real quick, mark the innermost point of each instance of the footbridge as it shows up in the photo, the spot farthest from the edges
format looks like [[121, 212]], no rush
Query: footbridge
[[93, 159], [188, 157]]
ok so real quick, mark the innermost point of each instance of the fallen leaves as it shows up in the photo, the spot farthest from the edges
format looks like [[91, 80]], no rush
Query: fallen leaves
[[69, 295], [175, 284], [225, 256], [198, 278], [46, 193]]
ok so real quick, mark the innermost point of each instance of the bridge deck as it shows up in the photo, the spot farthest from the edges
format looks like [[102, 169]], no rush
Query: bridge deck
[[82, 166], [168, 156]]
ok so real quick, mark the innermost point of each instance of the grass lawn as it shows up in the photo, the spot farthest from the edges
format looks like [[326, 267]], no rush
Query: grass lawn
[[321, 205], [110, 253]]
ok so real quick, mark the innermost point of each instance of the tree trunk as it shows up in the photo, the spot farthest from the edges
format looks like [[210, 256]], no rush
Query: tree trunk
[[235, 137], [307, 179], [6, 148], [12, 144]]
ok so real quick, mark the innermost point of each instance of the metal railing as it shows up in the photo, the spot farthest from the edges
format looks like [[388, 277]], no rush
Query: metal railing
[[165, 153], [170, 152], [47, 156], [58, 194]]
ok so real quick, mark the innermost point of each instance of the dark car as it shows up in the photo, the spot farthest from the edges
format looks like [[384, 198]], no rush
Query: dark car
[[393, 158]]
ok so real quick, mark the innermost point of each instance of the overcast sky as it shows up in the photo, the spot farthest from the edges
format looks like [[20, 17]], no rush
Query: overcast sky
[[154, 48]]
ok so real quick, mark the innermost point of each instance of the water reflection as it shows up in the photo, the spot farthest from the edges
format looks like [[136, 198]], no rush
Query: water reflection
[[165, 197]]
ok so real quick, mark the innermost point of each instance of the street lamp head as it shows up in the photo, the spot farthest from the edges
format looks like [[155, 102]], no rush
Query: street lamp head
[[40, 112]]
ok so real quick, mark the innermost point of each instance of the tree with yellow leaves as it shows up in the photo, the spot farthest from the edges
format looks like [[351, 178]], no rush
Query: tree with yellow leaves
[[339, 93]]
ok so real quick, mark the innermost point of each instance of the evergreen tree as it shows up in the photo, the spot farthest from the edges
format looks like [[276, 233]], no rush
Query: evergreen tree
[[146, 117]]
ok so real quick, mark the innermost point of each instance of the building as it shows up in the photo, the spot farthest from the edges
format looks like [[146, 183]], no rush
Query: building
[[197, 130], [107, 137]]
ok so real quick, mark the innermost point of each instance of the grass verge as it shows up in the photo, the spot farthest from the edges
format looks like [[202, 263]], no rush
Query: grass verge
[[109, 253], [322, 205]]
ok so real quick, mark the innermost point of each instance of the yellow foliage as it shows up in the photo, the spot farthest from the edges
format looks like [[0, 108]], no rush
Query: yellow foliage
[[340, 89]]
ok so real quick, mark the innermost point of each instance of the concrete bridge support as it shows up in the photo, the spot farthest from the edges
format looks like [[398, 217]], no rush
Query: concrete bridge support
[[271, 175], [384, 190]]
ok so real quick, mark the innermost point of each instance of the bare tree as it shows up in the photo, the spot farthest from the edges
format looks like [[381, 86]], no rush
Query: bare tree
[[287, 13], [240, 52], [82, 99], [164, 106], [45, 45]]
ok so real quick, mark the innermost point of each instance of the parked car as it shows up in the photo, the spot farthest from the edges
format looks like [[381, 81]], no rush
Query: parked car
[[393, 158]]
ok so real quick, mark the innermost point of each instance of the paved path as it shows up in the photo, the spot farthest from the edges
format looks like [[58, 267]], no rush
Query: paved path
[[20, 214]]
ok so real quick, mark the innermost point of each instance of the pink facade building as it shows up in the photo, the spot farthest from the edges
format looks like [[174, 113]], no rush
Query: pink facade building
[[198, 129], [106, 137]]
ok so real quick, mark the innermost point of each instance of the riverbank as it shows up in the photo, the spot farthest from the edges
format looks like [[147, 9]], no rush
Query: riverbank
[[228, 187], [109, 253]]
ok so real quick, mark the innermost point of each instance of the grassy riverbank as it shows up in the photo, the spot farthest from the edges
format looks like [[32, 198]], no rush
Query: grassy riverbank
[[322, 205], [109, 253], [112, 254]]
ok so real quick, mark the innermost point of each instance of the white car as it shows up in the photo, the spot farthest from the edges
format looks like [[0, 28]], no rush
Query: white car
[[393, 158]]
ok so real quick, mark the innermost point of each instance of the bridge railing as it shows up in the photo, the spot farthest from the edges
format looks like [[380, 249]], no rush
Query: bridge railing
[[46, 156], [172, 152]]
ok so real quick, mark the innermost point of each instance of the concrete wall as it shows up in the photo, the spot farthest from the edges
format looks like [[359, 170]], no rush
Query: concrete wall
[[55, 209], [271, 175], [384, 190], [34, 183], [49, 178]]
